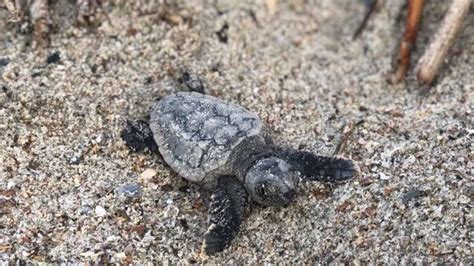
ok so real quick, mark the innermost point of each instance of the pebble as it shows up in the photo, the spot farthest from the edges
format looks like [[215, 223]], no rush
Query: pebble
[[132, 190], [53, 58], [4, 61], [100, 211], [120, 255], [438, 211], [77, 180], [147, 174], [85, 209], [410, 195], [11, 184], [101, 139], [383, 176], [75, 159], [193, 82]]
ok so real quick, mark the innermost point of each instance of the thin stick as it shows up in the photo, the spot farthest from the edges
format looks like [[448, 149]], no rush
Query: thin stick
[[368, 12], [430, 62], [415, 8], [345, 137]]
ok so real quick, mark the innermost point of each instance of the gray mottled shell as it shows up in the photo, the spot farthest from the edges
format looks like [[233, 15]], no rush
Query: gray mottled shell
[[196, 133]]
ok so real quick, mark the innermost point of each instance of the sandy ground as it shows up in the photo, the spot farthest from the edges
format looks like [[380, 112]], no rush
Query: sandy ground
[[63, 165]]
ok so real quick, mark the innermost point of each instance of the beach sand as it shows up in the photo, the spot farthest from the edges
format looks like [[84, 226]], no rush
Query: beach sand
[[63, 164]]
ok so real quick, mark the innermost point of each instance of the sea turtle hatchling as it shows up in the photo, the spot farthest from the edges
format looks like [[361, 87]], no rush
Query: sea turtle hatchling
[[224, 148]]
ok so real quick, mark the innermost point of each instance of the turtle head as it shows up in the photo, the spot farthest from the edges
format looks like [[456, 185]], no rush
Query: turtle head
[[271, 183]]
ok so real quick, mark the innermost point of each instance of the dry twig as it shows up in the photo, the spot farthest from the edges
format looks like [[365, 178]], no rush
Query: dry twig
[[415, 7], [349, 131], [429, 63], [368, 12]]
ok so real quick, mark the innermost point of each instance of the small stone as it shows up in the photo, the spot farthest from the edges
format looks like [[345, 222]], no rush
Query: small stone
[[100, 211], [439, 211], [85, 209], [148, 174], [120, 255], [75, 159], [112, 238], [222, 33], [184, 224], [410, 195], [383, 176], [11, 184], [193, 82], [132, 190], [4, 61], [173, 19], [101, 139], [53, 58], [77, 180]]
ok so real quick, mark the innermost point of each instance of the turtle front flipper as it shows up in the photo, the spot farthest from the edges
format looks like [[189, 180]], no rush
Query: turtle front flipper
[[319, 168], [138, 136], [225, 214]]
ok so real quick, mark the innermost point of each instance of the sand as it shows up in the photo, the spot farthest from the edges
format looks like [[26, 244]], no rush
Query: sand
[[71, 191]]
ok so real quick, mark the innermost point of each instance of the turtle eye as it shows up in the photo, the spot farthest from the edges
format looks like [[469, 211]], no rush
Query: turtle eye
[[261, 190]]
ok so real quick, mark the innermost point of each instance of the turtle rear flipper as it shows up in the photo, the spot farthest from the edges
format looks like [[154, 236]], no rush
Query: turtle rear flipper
[[225, 214], [319, 168], [138, 136]]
